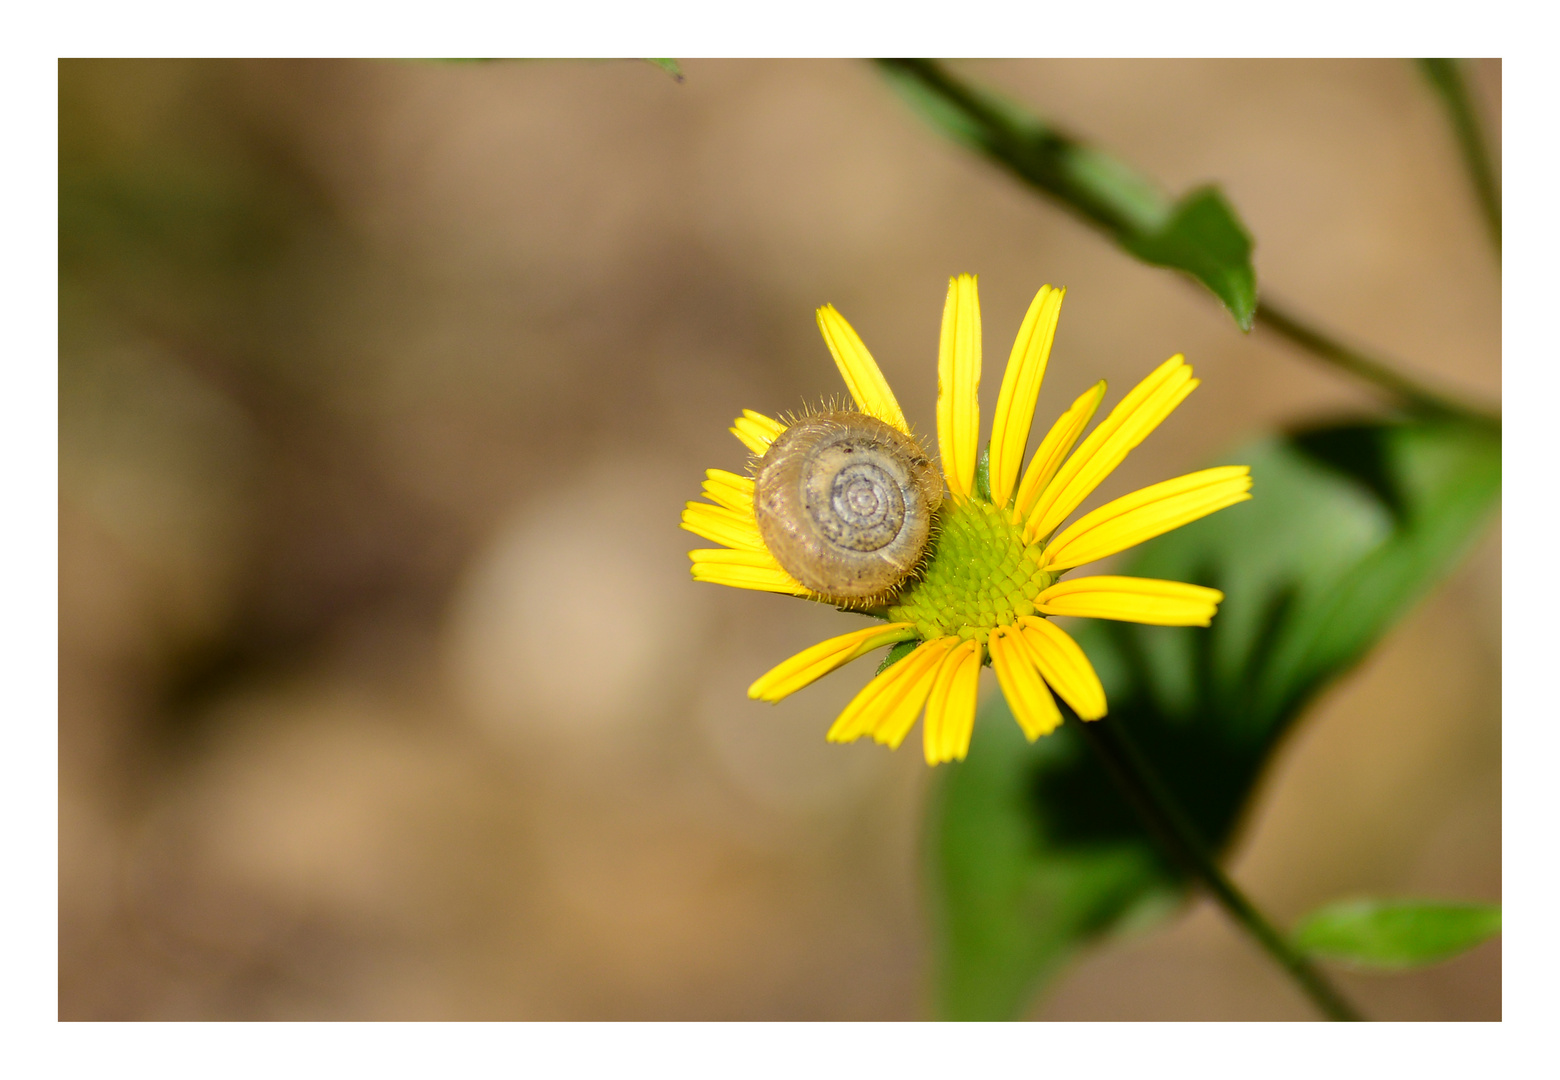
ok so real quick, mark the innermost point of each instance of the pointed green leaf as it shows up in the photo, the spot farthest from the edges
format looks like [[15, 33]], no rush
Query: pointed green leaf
[[1396, 933], [1205, 238], [1033, 851], [896, 653], [671, 67]]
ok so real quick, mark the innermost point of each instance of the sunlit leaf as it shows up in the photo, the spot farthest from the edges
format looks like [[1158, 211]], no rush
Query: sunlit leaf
[[1396, 933], [1033, 851], [1199, 234]]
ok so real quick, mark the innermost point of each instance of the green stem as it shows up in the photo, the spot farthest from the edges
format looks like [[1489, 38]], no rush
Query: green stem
[[1169, 823], [1406, 390], [1446, 76], [1127, 206]]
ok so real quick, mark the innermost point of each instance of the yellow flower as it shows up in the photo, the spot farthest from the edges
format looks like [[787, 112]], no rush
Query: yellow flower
[[992, 570]]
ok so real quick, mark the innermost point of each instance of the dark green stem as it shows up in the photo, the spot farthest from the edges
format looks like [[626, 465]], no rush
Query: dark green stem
[[1165, 818], [1405, 390], [1131, 209], [1447, 78]]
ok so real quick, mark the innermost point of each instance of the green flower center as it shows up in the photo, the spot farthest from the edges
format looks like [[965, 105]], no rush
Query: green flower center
[[978, 574]]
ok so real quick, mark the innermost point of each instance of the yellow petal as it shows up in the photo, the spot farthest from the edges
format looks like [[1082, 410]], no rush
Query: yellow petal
[[1128, 424], [958, 385], [723, 526], [1146, 513], [812, 664], [1057, 442], [895, 723], [743, 570], [1032, 704], [862, 376], [1065, 667], [730, 490], [887, 706], [1020, 388], [756, 431], [950, 709], [746, 577], [1129, 599]]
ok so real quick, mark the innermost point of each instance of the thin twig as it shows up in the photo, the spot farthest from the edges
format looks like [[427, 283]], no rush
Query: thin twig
[[1114, 199], [1405, 390], [1175, 831], [1447, 78]]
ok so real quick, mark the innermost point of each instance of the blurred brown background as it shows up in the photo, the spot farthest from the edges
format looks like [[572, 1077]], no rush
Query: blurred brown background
[[384, 691]]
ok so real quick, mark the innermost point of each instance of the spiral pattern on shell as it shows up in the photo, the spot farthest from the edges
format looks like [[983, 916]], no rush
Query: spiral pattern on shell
[[844, 503]]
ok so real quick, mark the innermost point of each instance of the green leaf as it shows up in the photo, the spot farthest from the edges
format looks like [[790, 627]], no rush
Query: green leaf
[[1199, 234], [983, 474], [1206, 239], [1033, 851], [898, 652], [671, 67], [1396, 934]]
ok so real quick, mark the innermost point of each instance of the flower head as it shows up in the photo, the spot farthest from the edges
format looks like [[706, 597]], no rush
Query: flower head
[[832, 496]]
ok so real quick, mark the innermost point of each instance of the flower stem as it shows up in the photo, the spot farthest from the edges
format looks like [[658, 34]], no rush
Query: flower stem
[[1406, 390], [1132, 209], [1447, 78], [1165, 818]]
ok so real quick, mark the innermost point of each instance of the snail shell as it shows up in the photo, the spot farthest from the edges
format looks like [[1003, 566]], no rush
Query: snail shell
[[844, 502]]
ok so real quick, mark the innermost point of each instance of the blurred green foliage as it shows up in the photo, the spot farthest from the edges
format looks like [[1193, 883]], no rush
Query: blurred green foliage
[[168, 200], [1034, 852], [200, 257], [1396, 934]]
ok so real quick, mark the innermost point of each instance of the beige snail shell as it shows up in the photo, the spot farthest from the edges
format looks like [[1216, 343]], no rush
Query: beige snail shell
[[844, 503]]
